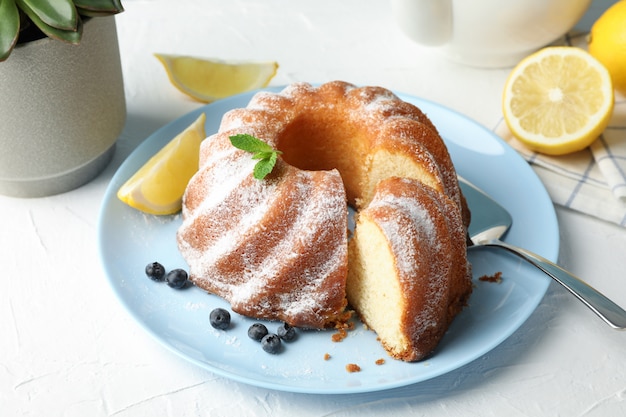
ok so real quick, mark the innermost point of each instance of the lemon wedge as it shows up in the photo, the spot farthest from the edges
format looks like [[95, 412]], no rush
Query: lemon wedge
[[208, 80], [558, 100], [158, 186]]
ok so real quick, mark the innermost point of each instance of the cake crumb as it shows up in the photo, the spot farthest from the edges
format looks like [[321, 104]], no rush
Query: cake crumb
[[353, 367], [497, 278], [340, 335], [342, 331], [380, 361], [326, 356]]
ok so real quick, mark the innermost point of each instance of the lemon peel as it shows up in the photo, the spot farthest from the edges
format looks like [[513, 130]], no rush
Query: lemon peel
[[207, 79], [158, 186], [558, 100]]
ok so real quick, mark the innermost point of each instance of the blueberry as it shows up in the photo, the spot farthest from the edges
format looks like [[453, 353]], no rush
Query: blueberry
[[271, 343], [155, 271], [286, 332], [176, 278], [220, 318], [257, 331]]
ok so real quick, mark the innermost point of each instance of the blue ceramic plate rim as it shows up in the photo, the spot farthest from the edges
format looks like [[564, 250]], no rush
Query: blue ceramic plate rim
[[128, 240]]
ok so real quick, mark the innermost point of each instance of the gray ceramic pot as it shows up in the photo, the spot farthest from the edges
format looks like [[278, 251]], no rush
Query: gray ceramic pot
[[61, 110]]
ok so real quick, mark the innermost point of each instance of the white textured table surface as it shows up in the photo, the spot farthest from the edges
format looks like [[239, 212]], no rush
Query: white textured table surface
[[67, 347]]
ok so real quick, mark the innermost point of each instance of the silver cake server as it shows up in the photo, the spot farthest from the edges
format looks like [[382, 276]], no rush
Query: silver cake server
[[490, 221]]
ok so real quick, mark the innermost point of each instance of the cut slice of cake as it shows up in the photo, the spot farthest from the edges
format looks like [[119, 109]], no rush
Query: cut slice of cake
[[408, 274]]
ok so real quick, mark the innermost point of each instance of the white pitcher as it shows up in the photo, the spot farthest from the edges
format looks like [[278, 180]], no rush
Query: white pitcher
[[487, 33]]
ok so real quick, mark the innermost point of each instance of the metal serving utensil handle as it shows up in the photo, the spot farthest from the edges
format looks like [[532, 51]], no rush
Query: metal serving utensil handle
[[606, 309]]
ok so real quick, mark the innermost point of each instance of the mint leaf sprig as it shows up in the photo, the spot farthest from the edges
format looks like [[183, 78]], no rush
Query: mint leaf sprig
[[260, 150]]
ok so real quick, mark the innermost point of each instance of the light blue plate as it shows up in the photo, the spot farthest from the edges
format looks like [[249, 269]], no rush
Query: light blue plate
[[129, 240]]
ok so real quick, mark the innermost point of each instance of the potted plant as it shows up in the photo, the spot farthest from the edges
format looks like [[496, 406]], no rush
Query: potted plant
[[61, 93]]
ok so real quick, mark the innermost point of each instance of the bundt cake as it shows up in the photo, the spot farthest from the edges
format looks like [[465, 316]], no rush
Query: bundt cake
[[277, 248], [407, 278]]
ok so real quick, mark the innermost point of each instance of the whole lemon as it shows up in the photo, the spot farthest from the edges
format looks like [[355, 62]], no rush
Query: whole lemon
[[607, 42]]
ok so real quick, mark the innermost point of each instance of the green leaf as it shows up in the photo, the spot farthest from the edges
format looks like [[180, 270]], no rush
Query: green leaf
[[250, 144], [265, 166], [262, 155], [70, 36], [98, 7], [59, 14], [260, 150], [9, 27]]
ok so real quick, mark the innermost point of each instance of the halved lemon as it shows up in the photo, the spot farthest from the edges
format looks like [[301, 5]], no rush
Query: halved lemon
[[558, 100], [208, 80], [158, 186]]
